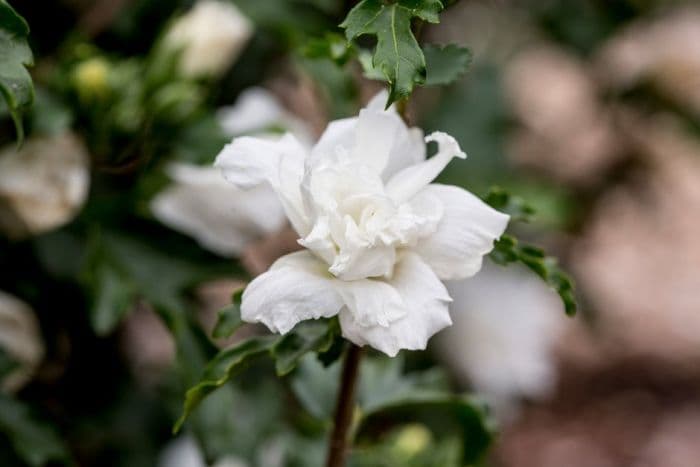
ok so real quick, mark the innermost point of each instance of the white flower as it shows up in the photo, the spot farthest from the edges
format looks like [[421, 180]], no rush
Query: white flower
[[43, 185], [21, 339], [506, 322], [221, 217], [211, 36], [378, 234]]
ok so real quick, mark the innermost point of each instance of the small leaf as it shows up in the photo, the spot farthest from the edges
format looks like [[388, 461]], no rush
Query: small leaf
[[15, 83], [287, 350], [445, 64], [515, 206], [397, 54], [312, 336], [229, 318], [221, 369], [507, 250], [333, 47], [34, 441]]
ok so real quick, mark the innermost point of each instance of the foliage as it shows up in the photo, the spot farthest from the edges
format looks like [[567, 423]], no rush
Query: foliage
[[508, 249], [445, 64], [15, 55], [397, 54]]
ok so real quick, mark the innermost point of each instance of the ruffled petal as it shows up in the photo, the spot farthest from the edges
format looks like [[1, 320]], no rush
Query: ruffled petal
[[221, 217], [464, 234], [338, 134], [409, 181], [371, 302], [409, 150], [249, 161], [426, 301], [297, 287], [376, 133]]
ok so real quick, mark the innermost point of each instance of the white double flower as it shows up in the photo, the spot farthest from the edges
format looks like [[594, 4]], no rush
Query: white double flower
[[379, 236]]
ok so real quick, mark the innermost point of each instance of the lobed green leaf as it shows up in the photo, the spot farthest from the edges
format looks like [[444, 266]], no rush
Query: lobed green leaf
[[15, 55], [397, 54]]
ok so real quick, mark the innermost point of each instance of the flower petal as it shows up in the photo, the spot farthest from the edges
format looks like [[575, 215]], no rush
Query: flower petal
[[296, 288], [375, 135], [338, 133], [409, 181], [221, 217], [371, 302], [248, 161], [426, 301], [464, 234], [408, 150]]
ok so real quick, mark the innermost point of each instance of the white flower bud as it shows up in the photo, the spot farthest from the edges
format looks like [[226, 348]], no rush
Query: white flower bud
[[43, 185], [210, 36]]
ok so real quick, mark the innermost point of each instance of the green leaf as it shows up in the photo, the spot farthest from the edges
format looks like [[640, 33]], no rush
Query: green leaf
[[33, 440], [333, 47], [221, 369], [516, 207], [287, 350], [229, 319], [15, 83], [445, 64], [397, 54], [311, 336], [507, 250]]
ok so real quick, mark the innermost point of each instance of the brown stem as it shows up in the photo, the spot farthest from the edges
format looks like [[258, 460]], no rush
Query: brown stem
[[345, 404]]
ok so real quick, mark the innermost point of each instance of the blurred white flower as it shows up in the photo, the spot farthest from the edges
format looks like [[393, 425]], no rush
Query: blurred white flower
[[257, 110], [21, 339], [43, 185], [184, 452], [506, 323], [379, 235], [221, 217], [211, 36]]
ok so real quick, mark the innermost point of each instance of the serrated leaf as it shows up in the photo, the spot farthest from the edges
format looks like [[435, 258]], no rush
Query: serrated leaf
[[397, 54], [15, 83], [316, 336], [286, 350], [229, 319], [516, 207], [507, 250], [445, 64], [221, 369], [34, 441]]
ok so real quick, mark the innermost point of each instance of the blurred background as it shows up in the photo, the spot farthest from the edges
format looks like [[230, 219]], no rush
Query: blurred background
[[118, 244]]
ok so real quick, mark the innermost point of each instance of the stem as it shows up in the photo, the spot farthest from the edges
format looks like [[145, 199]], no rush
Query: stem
[[338, 446]]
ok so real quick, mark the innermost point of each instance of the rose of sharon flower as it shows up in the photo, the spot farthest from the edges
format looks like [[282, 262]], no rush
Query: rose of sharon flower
[[211, 36], [43, 185], [200, 203], [506, 326], [379, 236]]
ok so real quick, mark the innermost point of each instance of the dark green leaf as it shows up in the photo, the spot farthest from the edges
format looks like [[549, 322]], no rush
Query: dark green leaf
[[229, 318], [507, 249], [34, 440], [397, 54], [311, 336], [221, 369], [15, 54], [333, 47], [445, 64], [287, 350], [515, 206]]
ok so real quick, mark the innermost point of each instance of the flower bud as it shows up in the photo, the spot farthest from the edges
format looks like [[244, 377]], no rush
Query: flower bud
[[209, 36], [90, 78], [43, 185], [20, 339]]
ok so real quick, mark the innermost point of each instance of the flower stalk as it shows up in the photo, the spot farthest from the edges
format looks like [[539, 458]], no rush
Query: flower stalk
[[338, 446]]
